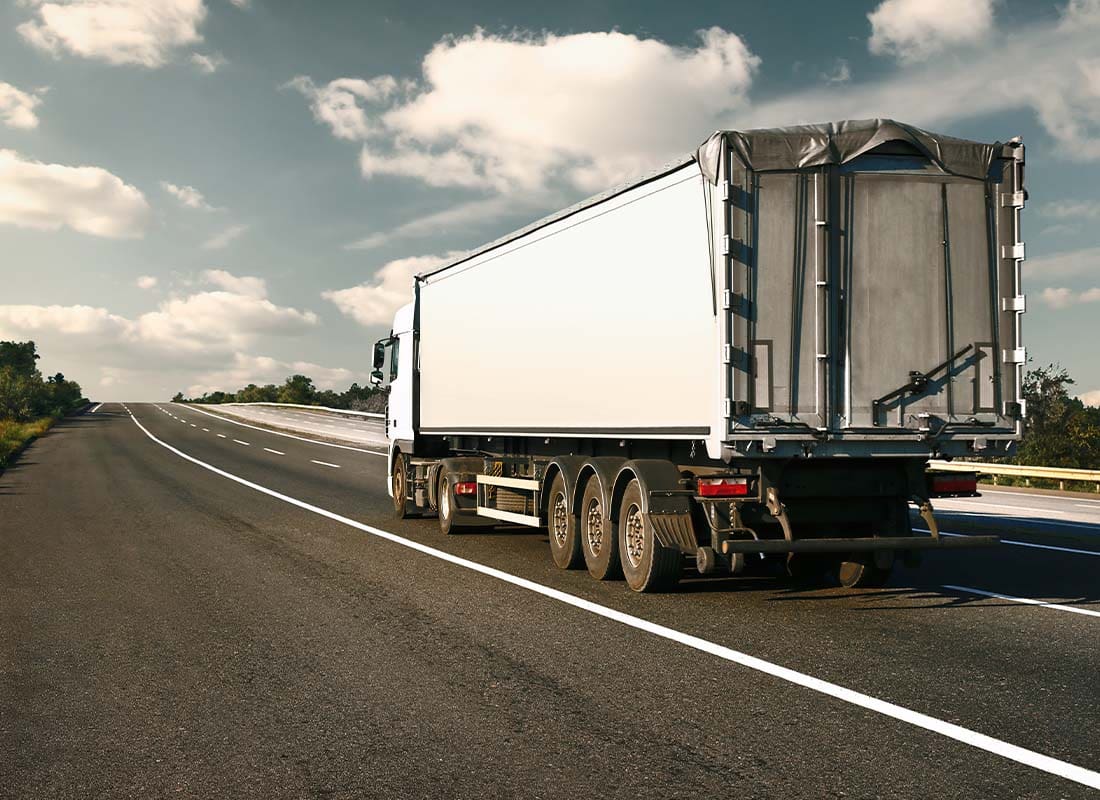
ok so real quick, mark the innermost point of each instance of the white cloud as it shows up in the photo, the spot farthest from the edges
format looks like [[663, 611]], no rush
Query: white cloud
[[913, 30], [373, 302], [116, 31], [241, 3], [1085, 261], [983, 80], [146, 282], [90, 200], [17, 107], [1071, 209], [336, 104], [222, 240], [261, 370], [1061, 297], [244, 284], [187, 195], [512, 113], [840, 73], [208, 63], [1090, 398]]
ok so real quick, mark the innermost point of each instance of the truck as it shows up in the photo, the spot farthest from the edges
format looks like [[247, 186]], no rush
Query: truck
[[747, 357]]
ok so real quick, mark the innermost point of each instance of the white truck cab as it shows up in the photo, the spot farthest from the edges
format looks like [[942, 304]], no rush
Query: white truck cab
[[393, 362]]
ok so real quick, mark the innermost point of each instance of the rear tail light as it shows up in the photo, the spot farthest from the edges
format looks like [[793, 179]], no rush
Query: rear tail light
[[965, 483], [723, 487], [466, 488]]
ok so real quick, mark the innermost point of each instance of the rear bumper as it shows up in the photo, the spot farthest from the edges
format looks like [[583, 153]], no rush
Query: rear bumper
[[895, 543]]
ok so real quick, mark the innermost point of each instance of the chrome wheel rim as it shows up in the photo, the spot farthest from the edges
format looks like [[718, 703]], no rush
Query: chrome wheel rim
[[635, 536], [560, 519], [398, 486], [593, 528]]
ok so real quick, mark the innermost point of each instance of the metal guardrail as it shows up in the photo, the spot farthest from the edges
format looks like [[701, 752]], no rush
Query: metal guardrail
[[371, 414], [1060, 474]]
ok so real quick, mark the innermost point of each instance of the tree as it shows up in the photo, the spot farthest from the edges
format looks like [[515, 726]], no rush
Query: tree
[[24, 395], [1059, 430], [298, 389], [18, 356]]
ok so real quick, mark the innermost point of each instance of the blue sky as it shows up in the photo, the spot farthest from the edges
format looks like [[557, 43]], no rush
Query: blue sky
[[197, 194]]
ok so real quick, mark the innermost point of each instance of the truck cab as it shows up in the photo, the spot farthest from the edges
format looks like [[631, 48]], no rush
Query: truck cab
[[393, 362]]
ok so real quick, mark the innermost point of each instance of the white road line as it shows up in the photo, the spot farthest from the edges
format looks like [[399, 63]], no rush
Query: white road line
[[207, 430], [97, 408], [1025, 600], [276, 452], [324, 463], [1033, 495], [1089, 526], [290, 435], [193, 425], [238, 441], [221, 435], [981, 741], [1027, 544], [980, 504]]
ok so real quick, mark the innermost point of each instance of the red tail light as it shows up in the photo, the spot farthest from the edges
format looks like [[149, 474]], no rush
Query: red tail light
[[964, 483], [723, 487], [466, 488]]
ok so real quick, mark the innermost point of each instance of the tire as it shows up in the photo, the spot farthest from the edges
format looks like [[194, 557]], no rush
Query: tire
[[561, 525], [399, 483], [599, 545], [446, 502], [647, 566], [862, 573]]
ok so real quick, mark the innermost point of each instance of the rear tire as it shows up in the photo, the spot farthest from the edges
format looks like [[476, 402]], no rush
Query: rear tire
[[446, 502], [399, 485], [561, 525], [599, 544], [863, 573], [647, 566]]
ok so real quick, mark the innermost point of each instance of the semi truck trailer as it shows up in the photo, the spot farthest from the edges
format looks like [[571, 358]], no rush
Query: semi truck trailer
[[749, 355]]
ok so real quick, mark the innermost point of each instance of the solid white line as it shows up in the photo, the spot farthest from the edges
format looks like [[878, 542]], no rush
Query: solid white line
[[276, 452], [238, 441], [288, 435], [1026, 544], [1021, 755], [1025, 600], [1033, 495], [980, 504], [324, 463], [97, 408]]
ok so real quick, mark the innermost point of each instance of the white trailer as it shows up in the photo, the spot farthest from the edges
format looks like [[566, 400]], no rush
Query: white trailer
[[755, 350]]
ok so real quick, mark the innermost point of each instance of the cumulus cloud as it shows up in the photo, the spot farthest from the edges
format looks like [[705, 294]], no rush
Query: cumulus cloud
[[913, 30], [208, 63], [1061, 297], [246, 369], [187, 195], [973, 83], [1090, 398], [1085, 261], [146, 282], [90, 200], [244, 284], [17, 107], [512, 113], [222, 240], [374, 302], [116, 31], [1071, 209]]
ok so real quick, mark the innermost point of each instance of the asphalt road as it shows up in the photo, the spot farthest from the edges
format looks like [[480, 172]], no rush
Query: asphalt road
[[191, 607]]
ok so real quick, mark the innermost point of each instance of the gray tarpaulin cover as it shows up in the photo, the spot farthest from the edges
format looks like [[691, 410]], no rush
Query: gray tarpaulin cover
[[839, 142]]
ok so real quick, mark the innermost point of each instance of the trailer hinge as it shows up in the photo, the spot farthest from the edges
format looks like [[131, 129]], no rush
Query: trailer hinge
[[1015, 251], [1013, 199], [736, 249], [735, 303], [1017, 303], [1016, 356]]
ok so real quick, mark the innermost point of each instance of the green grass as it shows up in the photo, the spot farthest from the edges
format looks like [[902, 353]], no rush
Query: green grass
[[14, 436]]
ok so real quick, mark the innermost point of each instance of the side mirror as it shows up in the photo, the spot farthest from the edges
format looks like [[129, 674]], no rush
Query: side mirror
[[376, 378], [379, 355]]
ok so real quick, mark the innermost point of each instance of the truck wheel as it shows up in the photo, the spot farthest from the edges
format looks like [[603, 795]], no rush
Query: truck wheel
[[400, 486], [862, 573], [647, 566], [446, 502], [599, 545], [561, 524]]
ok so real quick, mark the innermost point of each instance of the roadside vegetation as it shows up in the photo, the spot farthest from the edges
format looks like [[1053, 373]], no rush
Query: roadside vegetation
[[29, 403], [298, 389]]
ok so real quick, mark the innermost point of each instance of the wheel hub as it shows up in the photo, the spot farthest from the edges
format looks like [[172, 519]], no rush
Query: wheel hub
[[561, 519], [635, 536], [594, 527]]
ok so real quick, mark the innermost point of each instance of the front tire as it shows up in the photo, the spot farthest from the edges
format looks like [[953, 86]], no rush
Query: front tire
[[647, 565], [561, 525], [399, 484], [599, 545]]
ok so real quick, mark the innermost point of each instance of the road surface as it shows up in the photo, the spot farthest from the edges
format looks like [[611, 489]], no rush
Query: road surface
[[192, 607], [364, 431]]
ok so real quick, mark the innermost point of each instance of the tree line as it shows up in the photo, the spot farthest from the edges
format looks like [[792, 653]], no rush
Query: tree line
[[299, 390], [24, 394]]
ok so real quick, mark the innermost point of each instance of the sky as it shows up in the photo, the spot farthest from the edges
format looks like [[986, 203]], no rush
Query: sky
[[200, 194]]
